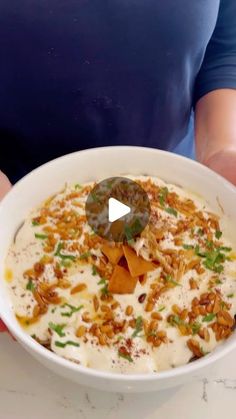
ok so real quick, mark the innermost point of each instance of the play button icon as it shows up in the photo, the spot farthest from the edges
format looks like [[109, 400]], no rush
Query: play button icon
[[117, 209]]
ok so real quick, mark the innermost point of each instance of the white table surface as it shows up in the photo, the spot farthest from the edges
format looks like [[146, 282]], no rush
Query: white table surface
[[30, 391]]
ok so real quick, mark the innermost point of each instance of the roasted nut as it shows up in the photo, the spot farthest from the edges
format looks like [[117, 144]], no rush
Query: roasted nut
[[132, 323], [195, 301], [193, 284], [204, 334], [78, 288], [95, 303], [184, 314], [216, 307], [129, 310], [115, 305], [36, 310], [156, 342], [176, 309], [209, 308], [225, 319], [85, 317], [105, 308], [80, 331], [102, 340], [156, 316], [194, 346], [149, 307], [184, 329], [202, 310]]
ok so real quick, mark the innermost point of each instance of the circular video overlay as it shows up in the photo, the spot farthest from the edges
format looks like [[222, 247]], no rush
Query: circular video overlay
[[117, 209]]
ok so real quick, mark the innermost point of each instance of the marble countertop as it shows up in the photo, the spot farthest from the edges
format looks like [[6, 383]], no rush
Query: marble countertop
[[28, 390]]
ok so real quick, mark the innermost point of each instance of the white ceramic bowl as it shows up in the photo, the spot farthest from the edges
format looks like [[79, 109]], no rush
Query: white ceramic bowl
[[97, 164]]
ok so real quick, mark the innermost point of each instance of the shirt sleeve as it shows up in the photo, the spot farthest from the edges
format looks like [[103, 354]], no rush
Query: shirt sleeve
[[218, 69]]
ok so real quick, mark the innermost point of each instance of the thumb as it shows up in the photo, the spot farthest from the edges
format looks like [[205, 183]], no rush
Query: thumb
[[5, 185]]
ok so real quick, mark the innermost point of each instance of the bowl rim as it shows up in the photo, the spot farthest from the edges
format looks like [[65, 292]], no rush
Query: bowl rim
[[33, 346]]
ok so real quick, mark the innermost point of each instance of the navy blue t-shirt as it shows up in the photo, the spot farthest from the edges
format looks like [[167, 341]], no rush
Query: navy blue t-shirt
[[76, 74]]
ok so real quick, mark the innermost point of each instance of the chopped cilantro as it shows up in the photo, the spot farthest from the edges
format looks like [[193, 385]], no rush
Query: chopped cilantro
[[94, 197], [175, 320], [198, 253], [40, 236], [78, 186], [110, 184], [53, 309], [161, 308], [94, 270], [138, 326], [218, 281], [214, 257], [125, 356], [162, 196], [188, 246], [195, 327], [169, 279], [66, 263], [209, 244], [225, 249], [62, 256], [102, 281], [171, 211], [72, 308], [30, 285], [230, 295], [58, 328], [219, 269], [128, 233], [214, 260], [59, 248], [85, 255], [200, 232], [35, 223], [218, 234], [133, 230], [63, 344], [209, 317], [104, 290]]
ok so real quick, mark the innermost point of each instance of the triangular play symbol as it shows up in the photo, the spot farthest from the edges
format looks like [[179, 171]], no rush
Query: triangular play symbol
[[116, 210]]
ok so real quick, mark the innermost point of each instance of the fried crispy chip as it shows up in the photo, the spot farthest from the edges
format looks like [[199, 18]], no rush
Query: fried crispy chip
[[137, 265], [113, 254], [121, 281]]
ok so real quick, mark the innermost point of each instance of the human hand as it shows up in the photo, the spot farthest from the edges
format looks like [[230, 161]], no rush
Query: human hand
[[224, 163], [215, 132], [5, 185]]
